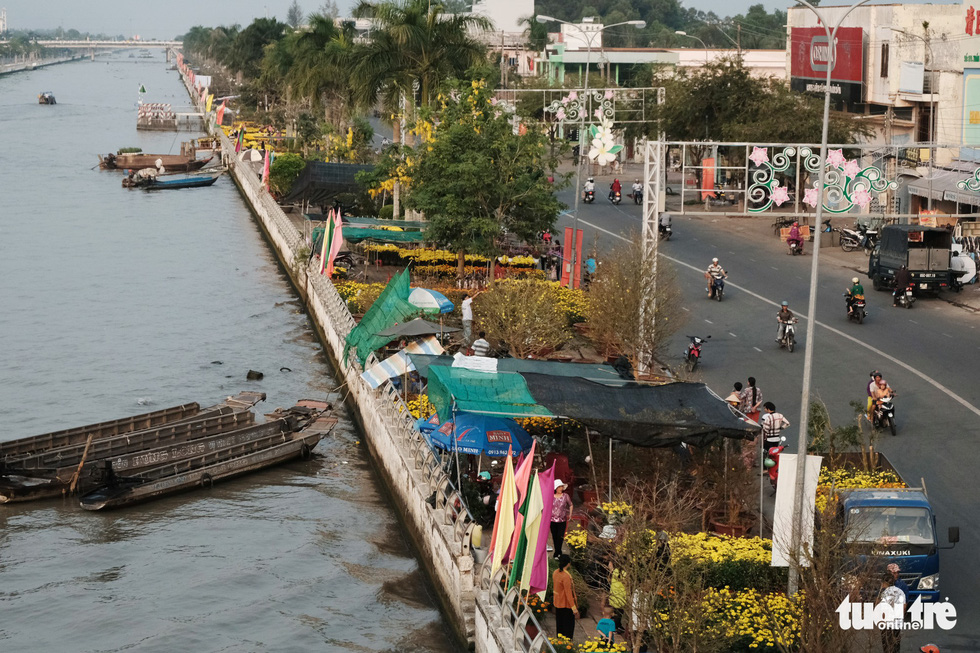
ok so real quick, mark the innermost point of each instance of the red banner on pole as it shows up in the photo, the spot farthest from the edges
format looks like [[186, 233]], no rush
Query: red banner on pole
[[577, 276], [566, 256]]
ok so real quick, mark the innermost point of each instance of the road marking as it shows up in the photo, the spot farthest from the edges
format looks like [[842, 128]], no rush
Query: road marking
[[709, 321], [685, 308], [913, 321], [732, 334], [947, 335], [757, 349], [773, 267], [949, 393]]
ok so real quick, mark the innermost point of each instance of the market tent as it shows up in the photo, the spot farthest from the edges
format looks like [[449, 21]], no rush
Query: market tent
[[475, 434], [600, 373], [502, 394], [377, 222], [356, 235], [321, 183], [388, 309], [414, 328], [398, 363]]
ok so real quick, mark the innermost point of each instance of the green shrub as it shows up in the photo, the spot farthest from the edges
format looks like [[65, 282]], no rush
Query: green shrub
[[284, 172]]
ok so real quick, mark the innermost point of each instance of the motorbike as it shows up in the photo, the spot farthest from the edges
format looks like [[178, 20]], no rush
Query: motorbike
[[637, 197], [795, 247], [884, 415], [717, 288], [789, 335], [774, 447], [905, 298], [860, 236], [665, 232], [856, 310], [345, 260], [589, 196], [693, 353], [615, 196]]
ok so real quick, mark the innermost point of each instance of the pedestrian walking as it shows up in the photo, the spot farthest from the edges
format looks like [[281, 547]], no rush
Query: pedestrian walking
[[565, 600], [752, 400], [561, 512], [891, 634]]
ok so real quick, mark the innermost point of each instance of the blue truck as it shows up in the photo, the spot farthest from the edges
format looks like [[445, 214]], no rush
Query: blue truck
[[893, 525]]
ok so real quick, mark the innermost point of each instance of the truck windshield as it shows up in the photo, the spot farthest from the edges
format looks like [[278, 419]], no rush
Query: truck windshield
[[890, 525]]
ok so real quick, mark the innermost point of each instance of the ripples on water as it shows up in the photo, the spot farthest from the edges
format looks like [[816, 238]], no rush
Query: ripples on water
[[115, 302]]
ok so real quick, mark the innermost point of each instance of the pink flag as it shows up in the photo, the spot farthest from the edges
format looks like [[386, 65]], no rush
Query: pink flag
[[539, 573], [336, 240], [221, 113], [265, 171], [503, 525], [521, 478]]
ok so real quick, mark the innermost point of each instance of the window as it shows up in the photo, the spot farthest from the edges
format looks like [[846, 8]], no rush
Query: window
[[884, 60]]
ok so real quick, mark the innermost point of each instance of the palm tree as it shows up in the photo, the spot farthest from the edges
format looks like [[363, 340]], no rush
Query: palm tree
[[415, 42]]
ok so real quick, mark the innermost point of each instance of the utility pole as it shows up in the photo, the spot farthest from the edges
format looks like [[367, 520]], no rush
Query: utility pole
[[503, 68], [738, 42]]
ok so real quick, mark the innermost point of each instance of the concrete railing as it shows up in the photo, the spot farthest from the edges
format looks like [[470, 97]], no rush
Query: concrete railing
[[505, 622]]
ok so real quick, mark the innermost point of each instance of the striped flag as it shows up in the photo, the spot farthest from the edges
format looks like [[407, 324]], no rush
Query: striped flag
[[323, 249], [521, 479], [241, 140], [336, 240], [503, 525], [265, 171], [539, 569], [532, 531]]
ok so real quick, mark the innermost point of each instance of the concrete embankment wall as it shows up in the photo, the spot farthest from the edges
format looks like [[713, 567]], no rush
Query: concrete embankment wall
[[33, 64], [430, 507]]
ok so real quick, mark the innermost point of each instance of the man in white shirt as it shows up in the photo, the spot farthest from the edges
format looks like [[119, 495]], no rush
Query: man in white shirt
[[481, 347], [467, 309]]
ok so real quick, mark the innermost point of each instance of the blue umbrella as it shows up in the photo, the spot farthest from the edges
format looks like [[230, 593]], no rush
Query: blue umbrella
[[430, 301], [428, 424], [476, 434]]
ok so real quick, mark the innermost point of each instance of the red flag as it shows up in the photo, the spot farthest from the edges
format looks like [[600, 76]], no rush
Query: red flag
[[219, 116], [265, 171], [336, 240], [521, 478]]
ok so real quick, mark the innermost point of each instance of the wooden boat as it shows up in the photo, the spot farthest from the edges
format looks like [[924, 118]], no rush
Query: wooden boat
[[160, 183], [42, 483], [47, 97], [12, 450], [140, 161], [219, 464]]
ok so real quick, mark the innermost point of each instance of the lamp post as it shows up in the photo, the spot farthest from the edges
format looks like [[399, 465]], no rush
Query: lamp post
[[691, 36], [569, 250], [797, 523], [932, 106]]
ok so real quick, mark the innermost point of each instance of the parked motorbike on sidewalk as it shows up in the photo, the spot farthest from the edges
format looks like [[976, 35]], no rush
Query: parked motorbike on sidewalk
[[905, 298], [692, 355], [789, 335], [774, 447], [884, 415], [855, 309], [860, 236]]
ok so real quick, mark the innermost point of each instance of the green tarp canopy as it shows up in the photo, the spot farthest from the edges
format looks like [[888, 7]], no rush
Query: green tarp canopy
[[644, 415], [390, 307], [356, 235], [600, 373], [370, 222]]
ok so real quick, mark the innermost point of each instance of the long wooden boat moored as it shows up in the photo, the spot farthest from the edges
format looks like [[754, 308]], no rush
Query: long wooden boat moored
[[32, 485], [139, 161], [12, 450], [206, 469], [51, 473]]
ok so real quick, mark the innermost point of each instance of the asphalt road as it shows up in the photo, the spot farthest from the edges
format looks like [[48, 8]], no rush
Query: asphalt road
[[927, 354]]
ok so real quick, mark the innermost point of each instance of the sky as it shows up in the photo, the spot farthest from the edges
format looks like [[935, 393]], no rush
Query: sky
[[165, 20]]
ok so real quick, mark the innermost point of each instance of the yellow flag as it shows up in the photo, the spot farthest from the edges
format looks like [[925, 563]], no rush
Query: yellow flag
[[503, 527], [207, 107]]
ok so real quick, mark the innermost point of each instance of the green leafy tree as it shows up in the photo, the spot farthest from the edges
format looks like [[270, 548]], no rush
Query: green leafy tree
[[476, 178], [284, 172], [294, 15], [248, 48]]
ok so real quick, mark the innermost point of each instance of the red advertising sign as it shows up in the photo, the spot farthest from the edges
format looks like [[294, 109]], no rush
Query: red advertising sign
[[810, 54], [499, 437]]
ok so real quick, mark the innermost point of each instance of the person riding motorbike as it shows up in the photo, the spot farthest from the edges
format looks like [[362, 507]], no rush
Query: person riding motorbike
[[713, 273], [614, 188], [902, 280], [783, 317], [589, 186], [794, 236], [665, 219], [881, 391], [856, 291], [876, 378], [637, 189]]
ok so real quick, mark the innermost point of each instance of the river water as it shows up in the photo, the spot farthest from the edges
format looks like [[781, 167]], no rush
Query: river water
[[115, 302]]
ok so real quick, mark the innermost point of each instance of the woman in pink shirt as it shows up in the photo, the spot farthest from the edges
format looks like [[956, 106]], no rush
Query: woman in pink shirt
[[561, 512]]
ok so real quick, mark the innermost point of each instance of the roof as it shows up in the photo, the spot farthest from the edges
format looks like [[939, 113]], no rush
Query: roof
[[907, 498], [944, 188], [320, 182], [913, 227]]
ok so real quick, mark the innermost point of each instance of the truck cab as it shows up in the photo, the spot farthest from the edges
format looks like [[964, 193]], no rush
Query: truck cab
[[925, 251], [895, 525]]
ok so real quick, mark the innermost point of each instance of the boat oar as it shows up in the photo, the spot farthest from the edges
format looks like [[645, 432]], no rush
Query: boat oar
[[78, 472]]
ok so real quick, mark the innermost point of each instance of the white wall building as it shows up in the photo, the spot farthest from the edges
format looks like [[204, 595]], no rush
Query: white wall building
[[507, 15]]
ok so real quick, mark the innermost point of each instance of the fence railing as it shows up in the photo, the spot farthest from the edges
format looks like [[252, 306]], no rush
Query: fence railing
[[516, 615]]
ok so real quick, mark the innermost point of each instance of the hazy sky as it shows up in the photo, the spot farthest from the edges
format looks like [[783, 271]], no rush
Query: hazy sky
[[166, 19]]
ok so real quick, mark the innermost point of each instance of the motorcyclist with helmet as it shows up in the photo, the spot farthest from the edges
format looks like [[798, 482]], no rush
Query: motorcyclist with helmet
[[902, 280], [795, 237], [856, 291], [614, 188], [713, 273], [637, 190], [783, 317], [589, 186]]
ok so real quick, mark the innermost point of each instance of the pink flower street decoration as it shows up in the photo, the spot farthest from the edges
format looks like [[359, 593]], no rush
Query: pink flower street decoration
[[609, 94], [598, 114], [810, 197], [852, 168], [560, 114], [862, 197], [780, 195], [759, 156], [573, 96], [835, 158]]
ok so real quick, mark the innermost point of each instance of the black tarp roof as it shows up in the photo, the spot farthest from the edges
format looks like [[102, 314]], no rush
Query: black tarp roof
[[321, 183]]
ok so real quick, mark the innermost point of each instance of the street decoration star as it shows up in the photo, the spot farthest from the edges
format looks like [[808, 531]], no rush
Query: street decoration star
[[759, 155], [780, 195], [811, 197]]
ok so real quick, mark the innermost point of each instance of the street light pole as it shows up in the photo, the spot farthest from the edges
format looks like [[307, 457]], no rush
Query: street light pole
[[801, 444], [691, 36], [932, 107], [568, 252]]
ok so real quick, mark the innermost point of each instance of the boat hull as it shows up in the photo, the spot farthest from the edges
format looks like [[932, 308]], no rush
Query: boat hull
[[170, 162]]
